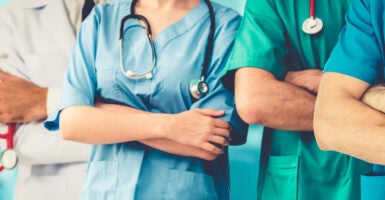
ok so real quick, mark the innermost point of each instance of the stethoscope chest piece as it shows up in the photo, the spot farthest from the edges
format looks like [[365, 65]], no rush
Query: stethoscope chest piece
[[198, 88], [312, 25], [9, 159]]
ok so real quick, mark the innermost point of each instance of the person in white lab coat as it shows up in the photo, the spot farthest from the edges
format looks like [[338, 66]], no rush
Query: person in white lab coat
[[36, 38]]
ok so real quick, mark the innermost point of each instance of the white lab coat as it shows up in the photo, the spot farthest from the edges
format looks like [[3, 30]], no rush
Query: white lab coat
[[37, 38]]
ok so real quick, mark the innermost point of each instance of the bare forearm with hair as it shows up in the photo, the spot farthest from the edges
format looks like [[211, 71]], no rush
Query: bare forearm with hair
[[262, 99], [345, 124]]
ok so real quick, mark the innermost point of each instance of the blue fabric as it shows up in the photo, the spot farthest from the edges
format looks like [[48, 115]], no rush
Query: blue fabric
[[362, 39], [132, 170], [373, 186]]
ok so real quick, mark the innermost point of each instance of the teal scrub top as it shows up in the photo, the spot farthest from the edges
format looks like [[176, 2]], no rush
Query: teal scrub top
[[360, 54], [131, 170], [270, 37]]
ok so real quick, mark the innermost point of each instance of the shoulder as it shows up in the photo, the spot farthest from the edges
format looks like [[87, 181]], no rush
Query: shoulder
[[17, 12], [224, 15]]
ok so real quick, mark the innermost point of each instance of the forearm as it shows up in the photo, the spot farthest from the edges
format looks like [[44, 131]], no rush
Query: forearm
[[261, 99], [173, 147], [345, 124], [28, 144], [97, 126], [166, 145]]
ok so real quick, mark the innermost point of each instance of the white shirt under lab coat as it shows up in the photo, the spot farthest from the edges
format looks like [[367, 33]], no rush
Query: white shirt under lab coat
[[37, 37]]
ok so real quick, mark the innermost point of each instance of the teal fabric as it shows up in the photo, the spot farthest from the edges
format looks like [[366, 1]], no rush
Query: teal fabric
[[270, 38], [244, 165], [238, 5], [3, 2], [244, 159], [7, 183]]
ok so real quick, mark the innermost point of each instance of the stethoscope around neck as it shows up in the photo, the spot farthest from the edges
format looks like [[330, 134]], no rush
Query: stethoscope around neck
[[312, 25], [8, 157], [198, 87]]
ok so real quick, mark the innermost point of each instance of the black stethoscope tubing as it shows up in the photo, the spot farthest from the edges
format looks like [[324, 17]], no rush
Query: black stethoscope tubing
[[200, 86]]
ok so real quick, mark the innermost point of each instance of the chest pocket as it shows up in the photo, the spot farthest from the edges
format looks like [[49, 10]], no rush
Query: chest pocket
[[106, 81], [40, 65]]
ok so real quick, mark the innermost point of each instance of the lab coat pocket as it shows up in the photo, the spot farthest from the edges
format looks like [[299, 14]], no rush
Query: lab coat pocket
[[372, 187], [101, 181], [189, 185], [281, 178], [46, 69]]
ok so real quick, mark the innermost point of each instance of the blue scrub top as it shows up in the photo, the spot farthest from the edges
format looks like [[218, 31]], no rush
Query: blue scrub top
[[360, 54], [131, 170]]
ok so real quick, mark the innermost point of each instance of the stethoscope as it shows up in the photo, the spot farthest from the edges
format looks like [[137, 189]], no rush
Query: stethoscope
[[8, 157], [312, 25], [198, 87]]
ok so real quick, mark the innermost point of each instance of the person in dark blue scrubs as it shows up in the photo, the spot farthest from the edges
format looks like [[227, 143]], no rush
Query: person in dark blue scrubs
[[347, 119]]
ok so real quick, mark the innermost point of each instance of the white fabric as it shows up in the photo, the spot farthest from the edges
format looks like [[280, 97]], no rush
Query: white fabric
[[37, 38], [74, 10]]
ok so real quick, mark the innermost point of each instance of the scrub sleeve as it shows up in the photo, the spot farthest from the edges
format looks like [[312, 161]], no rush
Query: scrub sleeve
[[270, 38], [357, 54]]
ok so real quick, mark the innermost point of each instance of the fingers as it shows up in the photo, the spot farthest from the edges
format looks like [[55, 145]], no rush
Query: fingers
[[219, 140], [212, 148], [210, 112]]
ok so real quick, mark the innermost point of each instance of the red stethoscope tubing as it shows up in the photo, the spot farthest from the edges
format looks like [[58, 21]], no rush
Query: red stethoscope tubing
[[312, 8], [9, 138]]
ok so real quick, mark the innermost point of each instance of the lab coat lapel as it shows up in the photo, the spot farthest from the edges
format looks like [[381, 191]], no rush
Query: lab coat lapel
[[56, 21]]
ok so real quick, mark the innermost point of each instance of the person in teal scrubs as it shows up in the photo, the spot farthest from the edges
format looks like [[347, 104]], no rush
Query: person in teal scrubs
[[276, 68], [344, 120], [152, 139]]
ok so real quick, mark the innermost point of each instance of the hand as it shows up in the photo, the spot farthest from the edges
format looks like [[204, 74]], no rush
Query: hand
[[200, 128], [308, 79], [375, 97], [20, 100]]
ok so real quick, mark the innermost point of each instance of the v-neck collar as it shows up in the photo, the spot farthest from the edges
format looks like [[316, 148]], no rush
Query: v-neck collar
[[177, 28]]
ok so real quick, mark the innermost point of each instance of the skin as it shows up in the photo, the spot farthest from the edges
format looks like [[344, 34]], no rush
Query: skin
[[21, 101], [375, 97], [344, 123], [261, 98], [198, 132]]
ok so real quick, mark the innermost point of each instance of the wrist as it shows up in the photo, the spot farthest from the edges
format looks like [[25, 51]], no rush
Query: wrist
[[161, 125], [40, 110]]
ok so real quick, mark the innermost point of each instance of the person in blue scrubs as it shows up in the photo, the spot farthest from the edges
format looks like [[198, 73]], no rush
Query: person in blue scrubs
[[152, 139], [347, 119]]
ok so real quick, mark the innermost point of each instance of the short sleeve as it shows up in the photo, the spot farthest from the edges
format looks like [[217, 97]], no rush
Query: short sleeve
[[260, 42], [219, 97], [79, 84], [357, 52]]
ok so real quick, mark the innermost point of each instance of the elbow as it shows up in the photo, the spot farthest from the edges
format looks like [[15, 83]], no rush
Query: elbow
[[66, 130], [323, 135], [66, 133], [252, 113]]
